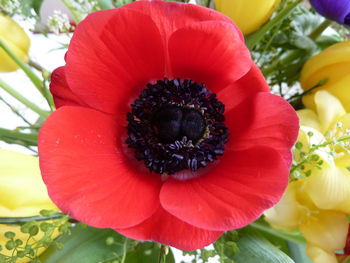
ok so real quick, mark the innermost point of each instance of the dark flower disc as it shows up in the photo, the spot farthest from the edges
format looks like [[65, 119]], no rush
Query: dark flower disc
[[176, 125]]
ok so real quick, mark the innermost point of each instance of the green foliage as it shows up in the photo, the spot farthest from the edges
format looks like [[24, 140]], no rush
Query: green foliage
[[285, 48], [224, 248], [147, 252], [91, 245], [35, 235], [253, 248]]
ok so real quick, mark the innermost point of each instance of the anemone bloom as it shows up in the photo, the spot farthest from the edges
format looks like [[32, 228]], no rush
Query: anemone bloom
[[165, 129]]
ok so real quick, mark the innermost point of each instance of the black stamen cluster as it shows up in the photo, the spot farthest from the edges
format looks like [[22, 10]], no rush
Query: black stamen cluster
[[176, 125]]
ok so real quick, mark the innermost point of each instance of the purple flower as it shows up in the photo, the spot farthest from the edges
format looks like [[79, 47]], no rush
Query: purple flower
[[337, 10]]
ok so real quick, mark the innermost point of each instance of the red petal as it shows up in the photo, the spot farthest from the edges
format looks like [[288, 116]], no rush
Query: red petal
[[209, 52], [111, 57], [62, 94], [249, 84], [233, 194], [164, 228], [171, 16], [87, 174], [263, 119]]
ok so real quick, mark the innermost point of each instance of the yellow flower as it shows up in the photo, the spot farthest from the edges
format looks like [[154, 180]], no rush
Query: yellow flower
[[23, 192], [332, 64], [249, 15], [16, 39], [318, 205], [324, 230], [329, 188]]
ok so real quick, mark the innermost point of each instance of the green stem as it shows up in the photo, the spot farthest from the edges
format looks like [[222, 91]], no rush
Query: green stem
[[320, 29], [162, 253], [295, 54], [27, 70], [23, 100], [255, 38], [125, 246], [291, 56], [35, 65], [289, 237], [29, 138], [22, 220], [15, 111]]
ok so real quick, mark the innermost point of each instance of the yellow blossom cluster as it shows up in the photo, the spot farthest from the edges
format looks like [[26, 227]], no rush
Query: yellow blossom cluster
[[318, 203]]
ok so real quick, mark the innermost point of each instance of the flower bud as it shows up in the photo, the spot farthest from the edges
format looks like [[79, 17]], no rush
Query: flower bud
[[16, 39], [248, 15], [331, 68], [338, 10]]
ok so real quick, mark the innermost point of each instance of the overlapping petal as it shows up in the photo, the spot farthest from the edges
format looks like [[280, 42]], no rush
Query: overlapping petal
[[228, 59], [330, 188], [256, 122], [234, 193], [105, 52], [237, 91], [88, 176], [167, 229], [62, 93]]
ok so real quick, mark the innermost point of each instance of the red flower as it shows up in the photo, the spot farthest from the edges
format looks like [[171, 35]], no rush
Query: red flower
[[177, 193]]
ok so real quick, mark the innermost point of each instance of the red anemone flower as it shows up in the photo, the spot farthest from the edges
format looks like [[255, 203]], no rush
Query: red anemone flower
[[165, 128]]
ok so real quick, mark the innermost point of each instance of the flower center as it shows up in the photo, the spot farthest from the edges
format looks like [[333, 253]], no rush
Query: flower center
[[171, 123], [176, 125]]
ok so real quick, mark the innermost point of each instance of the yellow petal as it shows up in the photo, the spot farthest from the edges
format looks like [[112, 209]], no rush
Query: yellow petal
[[329, 109], [287, 212], [343, 157], [248, 15], [16, 39], [327, 230], [329, 188], [23, 192], [309, 118], [332, 64], [335, 54], [318, 255]]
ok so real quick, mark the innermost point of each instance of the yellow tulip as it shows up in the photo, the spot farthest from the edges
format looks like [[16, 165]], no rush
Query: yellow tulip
[[16, 39], [249, 15], [23, 192], [332, 65]]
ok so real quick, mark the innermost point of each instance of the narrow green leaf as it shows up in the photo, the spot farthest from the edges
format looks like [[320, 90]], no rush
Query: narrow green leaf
[[254, 248]]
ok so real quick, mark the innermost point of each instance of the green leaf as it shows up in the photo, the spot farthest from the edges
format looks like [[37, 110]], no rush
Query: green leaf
[[253, 248], [147, 252], [85, 245], [36, 4]]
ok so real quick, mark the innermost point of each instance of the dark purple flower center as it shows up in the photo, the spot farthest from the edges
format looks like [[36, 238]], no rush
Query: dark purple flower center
[[176, 125]]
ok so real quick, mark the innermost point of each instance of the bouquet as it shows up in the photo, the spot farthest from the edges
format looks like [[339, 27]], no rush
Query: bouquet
[[174, 131]]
